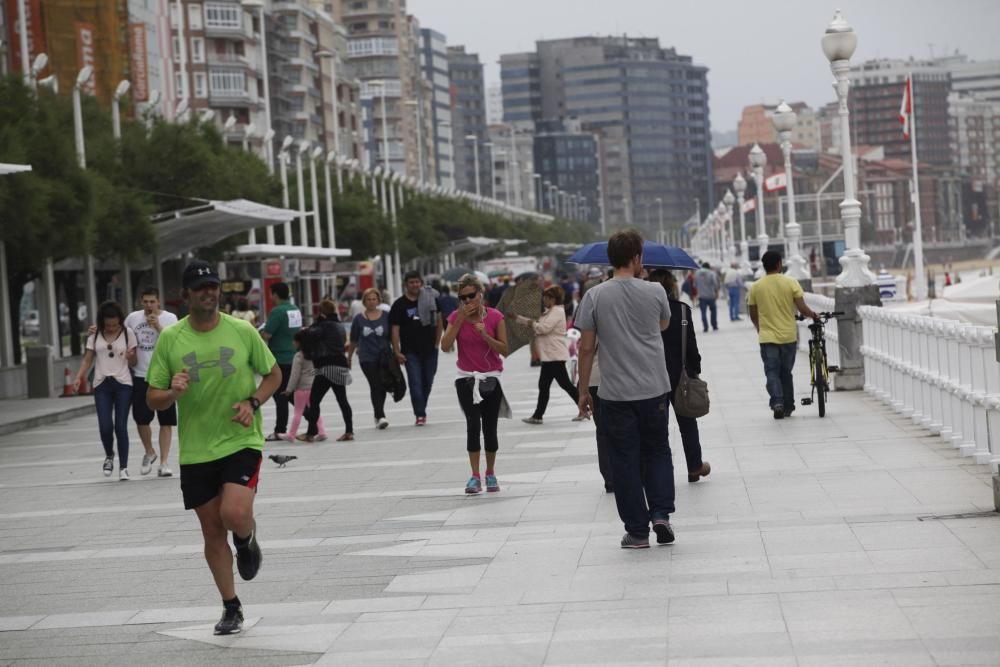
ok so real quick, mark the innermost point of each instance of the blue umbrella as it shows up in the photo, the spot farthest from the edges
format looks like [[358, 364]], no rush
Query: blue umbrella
[[653, 254]]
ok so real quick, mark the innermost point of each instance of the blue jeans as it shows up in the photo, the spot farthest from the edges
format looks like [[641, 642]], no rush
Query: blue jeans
[[779, 359], [640, 459], [734, 302], [113, 400], [708, 304], [420, 372]]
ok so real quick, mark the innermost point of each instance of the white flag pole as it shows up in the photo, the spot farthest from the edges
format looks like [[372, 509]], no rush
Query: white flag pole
[[918, 238]]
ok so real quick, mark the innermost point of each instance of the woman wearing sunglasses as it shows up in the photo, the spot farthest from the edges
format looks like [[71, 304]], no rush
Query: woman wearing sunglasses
[[481, 336], [111, 351]]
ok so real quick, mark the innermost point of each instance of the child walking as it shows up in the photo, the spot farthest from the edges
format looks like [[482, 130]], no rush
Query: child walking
[[299, 387]]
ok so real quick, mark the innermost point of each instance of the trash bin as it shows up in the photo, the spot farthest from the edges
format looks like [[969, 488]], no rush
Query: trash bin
[[40, 368]]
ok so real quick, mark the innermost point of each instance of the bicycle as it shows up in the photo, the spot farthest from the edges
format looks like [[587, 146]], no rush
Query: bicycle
[[819, 370]]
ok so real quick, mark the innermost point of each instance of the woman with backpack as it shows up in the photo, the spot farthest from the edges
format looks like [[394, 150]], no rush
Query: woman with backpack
[[324, 344], [111, 350]]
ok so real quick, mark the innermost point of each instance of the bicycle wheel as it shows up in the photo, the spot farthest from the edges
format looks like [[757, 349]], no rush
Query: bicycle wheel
[[820, 384]]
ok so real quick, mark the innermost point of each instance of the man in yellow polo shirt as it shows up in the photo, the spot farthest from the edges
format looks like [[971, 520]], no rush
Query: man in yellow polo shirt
[[773, 301]]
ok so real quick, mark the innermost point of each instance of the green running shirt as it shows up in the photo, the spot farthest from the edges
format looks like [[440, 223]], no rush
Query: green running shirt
[[223, 365]]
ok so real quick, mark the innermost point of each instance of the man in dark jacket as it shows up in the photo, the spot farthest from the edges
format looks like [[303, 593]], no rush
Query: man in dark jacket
[[680, 314]]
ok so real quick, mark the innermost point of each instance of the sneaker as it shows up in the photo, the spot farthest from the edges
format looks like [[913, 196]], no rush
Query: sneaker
[[321, 437], [532, 420], [492, 485], [664, 533], [274, 437], [231, 621], [779, 412], [123, 475], [473, 485], [421, 421], [147, 463], [249, 558], [630, 541], [164, 471], [109, 466], [789, 409], [382, 424]]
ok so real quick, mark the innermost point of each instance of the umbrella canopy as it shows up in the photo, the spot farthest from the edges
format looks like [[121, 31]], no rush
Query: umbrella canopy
[[653, 254], [453, 274]]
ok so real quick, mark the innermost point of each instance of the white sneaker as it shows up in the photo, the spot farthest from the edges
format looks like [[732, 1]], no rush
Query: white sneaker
[[123, 475], [109, 466], [164, 471], [383, 424], [147, 463]]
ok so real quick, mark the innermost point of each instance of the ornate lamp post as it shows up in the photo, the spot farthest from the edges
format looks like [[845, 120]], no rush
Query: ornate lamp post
[[727, 201], [740, 186], [784, 120], [758, 160], [839, 43]]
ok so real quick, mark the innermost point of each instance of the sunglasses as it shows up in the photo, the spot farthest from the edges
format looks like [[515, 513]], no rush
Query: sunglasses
[[468, 296], [111, 352]]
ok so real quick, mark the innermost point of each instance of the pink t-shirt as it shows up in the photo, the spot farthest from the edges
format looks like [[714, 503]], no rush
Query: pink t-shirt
[[474, 355]]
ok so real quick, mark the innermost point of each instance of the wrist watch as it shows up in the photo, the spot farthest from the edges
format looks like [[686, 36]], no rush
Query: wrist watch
[[254, 403]]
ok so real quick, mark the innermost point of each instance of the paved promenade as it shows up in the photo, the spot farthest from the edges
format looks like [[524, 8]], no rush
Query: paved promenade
[[857, 539]]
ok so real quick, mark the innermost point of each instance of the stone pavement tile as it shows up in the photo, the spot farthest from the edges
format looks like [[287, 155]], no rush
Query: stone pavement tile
[[965, 650], [500, 650], [685, 565], [522, 620], [85, 620], [350, 606], [762, 585], [861, 582], [811, 539], [10, 623], [837, 616], [925, 560], [849, 652], [633, 651], [745, 648], [905, 535], [822, 564]]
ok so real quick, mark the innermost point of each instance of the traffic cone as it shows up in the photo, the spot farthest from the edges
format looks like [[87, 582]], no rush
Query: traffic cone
[[67, 384]]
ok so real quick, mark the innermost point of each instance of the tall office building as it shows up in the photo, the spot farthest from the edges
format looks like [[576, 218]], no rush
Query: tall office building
[[975, 142], [468, 105], [513, 157], [434, 62], [647, 106], [383, 55], [566, 161]]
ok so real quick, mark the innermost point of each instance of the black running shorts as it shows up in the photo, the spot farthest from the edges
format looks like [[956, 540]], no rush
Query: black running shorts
[[201, 482], [142, 413]]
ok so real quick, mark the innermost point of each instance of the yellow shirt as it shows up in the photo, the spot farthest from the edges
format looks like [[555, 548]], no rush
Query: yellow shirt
[[774, 295]]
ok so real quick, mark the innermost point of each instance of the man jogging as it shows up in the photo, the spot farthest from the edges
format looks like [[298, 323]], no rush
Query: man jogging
[[283, 322], [417, 326], [207, 363], [147, 324], [773, 301], [628, 316]]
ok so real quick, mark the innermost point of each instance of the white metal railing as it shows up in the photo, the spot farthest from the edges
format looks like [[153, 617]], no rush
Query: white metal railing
[[820, 304], [942, 374]]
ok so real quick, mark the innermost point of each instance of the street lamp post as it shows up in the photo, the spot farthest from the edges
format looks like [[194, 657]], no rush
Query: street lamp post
[[784, 121], [334, 101], [420, 136], [475, 153], [82, 79], [839, 44], [758, 160], [659, 206], [727, 201], [116, 131], [283, 161], [331, 158], [493, 171], [740, 186], [316, 154], [303, 147]]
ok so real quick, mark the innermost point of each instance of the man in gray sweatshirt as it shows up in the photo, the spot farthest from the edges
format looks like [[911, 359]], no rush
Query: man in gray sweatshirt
[[707, 284]]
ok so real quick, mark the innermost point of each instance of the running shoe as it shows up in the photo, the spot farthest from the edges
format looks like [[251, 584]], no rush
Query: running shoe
[[421, 421], [109, 466], [123, 475], [147, 463], [164, 471], [492, 485], [274, 437], [532, 420], [473, 486], [383, 424], [231, 621], [664, 533], [249, 558], [630, 541]]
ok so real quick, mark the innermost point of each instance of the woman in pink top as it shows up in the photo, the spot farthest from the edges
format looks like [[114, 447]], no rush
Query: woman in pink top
[[481, 336]]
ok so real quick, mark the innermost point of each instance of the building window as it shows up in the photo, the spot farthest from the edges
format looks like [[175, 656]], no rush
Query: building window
[[176, 49], [197, 50], [178, 84], [223, 83], [359, 4], [218, 15], [194, 17], [173, 16], [200, 88]]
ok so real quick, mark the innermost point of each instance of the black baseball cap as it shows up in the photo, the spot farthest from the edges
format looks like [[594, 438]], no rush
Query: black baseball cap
[[198, 274]]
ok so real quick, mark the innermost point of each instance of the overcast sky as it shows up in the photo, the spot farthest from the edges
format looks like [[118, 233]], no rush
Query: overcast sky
[[755, 51]]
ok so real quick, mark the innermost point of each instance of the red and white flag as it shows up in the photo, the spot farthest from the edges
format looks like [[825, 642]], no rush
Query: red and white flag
[[775, 182], [906, 108], [749, 205]]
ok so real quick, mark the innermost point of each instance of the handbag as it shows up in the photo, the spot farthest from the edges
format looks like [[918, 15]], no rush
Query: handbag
[[691, 394]]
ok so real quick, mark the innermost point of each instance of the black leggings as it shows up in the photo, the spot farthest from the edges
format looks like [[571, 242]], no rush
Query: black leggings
[[483, 415], [553, 370], [320, 386], [373, 373]]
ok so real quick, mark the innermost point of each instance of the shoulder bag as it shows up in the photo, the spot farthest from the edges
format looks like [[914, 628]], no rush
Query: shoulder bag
[[690, 394]]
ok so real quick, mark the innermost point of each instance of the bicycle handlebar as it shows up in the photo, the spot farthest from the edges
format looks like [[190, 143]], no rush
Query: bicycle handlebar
[[825, 317]]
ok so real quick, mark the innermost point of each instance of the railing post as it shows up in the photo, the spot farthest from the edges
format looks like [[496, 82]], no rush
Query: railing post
[[913, 383], [898, 377], [968, 442], [947, 378], [955, 363], [981, 344]]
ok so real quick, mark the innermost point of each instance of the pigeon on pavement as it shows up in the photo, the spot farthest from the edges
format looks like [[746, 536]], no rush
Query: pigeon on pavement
[[282, 459]]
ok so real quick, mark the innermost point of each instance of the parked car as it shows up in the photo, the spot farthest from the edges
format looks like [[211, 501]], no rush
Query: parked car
[[31, 324]]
